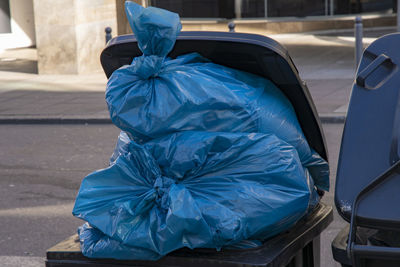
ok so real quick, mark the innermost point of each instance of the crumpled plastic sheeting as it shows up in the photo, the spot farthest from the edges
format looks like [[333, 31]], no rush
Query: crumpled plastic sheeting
[[157, 95], [212, 157], [124, 141], [191, 189]]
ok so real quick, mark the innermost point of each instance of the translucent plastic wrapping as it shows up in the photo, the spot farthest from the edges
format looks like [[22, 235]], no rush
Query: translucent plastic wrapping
[[192, 189], [156, 95], [209, 156]]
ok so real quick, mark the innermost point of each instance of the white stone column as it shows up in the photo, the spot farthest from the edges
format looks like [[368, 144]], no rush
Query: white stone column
[[70, 34], [123, 24]]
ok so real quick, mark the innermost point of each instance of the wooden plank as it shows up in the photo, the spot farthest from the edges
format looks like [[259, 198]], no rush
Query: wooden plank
[[276, 251]]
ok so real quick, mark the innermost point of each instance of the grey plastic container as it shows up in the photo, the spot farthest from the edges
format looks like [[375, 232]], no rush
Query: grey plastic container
[[368, 176]]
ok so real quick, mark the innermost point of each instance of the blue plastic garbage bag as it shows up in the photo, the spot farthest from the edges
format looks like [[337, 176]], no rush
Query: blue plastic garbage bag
[[157, 95], [192, 189], [124, 141]]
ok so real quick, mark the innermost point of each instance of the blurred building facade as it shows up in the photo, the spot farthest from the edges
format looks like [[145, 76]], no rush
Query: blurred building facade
[[272, 8], [69, 34]]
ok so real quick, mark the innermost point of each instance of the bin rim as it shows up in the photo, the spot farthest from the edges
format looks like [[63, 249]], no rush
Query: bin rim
[[280, 69]]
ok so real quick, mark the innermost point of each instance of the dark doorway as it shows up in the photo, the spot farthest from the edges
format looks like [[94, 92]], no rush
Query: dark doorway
[[198, 8], [5, 21]]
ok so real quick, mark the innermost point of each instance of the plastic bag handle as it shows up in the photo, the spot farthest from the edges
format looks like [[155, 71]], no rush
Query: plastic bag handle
[[363, 75]]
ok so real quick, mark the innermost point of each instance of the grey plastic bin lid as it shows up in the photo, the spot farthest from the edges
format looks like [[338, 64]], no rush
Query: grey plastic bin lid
[[370, 143], [248, 52]]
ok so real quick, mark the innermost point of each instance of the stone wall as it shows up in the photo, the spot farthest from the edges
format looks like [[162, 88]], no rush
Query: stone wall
[[123, 24], [70, 34]]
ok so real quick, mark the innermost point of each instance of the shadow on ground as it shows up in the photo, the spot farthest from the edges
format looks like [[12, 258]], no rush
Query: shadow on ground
[[25, 102], [18, 65]]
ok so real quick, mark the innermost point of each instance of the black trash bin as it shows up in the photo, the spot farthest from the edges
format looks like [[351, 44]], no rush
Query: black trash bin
[[368, 176], [299, 246]]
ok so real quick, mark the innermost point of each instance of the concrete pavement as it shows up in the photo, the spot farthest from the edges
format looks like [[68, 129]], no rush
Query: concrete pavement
[[41, 167], [324, 60]]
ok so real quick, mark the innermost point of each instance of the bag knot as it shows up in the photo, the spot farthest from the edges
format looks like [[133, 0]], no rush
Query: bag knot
[[147, 66], [162, 186]]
